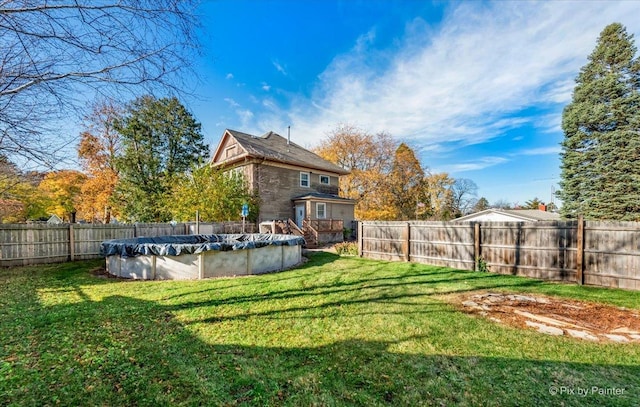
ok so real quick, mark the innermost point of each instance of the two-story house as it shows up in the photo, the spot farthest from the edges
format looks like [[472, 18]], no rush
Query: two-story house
[[294, 185]]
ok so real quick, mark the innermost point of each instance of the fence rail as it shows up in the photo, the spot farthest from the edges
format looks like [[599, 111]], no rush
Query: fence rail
[[22, 245], [594, 253]]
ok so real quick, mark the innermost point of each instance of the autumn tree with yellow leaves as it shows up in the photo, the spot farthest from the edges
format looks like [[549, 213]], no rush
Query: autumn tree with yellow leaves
[[62, 192], [387, 180], [98, 148]]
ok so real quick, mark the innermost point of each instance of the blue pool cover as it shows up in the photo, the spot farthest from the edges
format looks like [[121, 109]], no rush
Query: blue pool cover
[[193, 244]]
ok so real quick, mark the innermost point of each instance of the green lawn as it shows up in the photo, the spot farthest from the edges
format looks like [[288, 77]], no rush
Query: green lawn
[[337, 331]]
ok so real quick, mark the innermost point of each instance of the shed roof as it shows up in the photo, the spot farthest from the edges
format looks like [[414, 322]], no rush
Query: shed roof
[[518, 215], [321, 196]]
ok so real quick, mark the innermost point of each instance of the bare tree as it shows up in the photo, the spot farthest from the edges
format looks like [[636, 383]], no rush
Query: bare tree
[[57, 55], [463, 196]]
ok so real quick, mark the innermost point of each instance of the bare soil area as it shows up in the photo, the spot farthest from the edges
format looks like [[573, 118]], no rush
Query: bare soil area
[[554, 316]]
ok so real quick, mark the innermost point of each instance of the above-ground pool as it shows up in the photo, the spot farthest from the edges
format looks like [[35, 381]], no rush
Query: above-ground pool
[[192, 257]]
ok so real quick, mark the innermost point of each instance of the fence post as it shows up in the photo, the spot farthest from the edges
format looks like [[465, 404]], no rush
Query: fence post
[[580, 252], [406, 242], [476, 245], [360, 239], [72, 243]]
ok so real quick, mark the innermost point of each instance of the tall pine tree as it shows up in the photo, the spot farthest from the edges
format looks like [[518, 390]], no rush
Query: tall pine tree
[[601, 149]]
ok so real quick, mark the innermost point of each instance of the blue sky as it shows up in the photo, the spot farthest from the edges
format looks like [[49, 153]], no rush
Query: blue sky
[[475, 88]]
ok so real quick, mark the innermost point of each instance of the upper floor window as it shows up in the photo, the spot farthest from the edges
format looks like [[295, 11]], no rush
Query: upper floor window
[[234, 173], [304, 179], [324, 179]]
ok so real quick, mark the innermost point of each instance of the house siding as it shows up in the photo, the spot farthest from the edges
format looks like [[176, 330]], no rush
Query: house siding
[[335, 210], [276, 183]]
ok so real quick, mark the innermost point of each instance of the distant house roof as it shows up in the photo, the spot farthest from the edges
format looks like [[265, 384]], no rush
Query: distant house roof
[[509, 215], [273, 147], [54, 220]]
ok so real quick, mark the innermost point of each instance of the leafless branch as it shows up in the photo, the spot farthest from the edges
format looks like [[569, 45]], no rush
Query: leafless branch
[[57, 56]]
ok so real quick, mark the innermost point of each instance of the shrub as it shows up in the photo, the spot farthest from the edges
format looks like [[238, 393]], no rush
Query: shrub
[[346, 249], [481, 265]]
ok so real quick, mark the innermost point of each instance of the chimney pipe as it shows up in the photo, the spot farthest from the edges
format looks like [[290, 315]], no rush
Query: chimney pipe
[[542, 207], [288, 135]]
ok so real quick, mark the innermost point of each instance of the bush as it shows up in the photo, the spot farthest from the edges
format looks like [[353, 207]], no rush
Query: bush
[[481, 265], [346, 249]]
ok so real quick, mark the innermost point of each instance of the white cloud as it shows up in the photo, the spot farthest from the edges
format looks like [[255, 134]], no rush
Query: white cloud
[[279, 67], [466, 80], [232, 102], [246, 116], [229, 76], [539, 151], [266, 87], [479, 164]]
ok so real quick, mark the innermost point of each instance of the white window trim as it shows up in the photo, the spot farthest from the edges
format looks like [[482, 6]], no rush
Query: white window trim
[[308, 179], [325, 176], [229, 150], [324, 215]]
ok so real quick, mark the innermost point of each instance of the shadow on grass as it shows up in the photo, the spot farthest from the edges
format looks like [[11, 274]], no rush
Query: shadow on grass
[[129, 351]]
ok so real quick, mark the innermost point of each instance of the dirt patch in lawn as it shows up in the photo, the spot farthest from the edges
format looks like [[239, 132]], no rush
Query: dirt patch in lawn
[[554, 316]]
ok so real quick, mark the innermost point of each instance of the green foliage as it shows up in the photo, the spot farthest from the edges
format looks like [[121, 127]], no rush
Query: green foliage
[[216, 194], [481, 265], [160, 141], [601, 148], [532, 204], [20, 198], [481, 205], [346, 248]]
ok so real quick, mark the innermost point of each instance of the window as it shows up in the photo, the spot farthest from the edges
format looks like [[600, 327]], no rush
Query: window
[[230, 151], [234, 173], [304, 179], [324, 179], [321, 210]]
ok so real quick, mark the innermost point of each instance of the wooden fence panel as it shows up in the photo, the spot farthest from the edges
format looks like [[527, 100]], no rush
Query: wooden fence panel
[[159, 229], [598, 253], [33, 244], [544, 250], [442, 244], [382, 240], [87, 238], [42, 243], [612, 254]]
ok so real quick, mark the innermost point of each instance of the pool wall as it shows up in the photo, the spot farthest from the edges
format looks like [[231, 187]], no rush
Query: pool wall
[[206, 264]]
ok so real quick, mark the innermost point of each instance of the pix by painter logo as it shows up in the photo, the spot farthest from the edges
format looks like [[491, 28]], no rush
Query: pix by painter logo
[[586, 391]]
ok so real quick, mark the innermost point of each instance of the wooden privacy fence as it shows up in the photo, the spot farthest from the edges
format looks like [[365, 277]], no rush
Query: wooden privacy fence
[[43, 243], [595, 253]]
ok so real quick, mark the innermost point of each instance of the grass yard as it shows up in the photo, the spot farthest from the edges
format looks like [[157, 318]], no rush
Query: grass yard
[[337, 331]]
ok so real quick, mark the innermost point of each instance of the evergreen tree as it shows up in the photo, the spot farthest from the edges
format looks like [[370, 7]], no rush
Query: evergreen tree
[[160, 140], [601, 149], [532, 203], [481, 205]]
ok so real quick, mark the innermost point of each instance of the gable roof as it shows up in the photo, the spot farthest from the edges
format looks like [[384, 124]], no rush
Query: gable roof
[[518, 215], [273, 147]]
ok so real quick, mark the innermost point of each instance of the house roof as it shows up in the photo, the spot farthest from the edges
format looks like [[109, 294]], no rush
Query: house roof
[[320, 195], [273, 147], [527, 215]]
